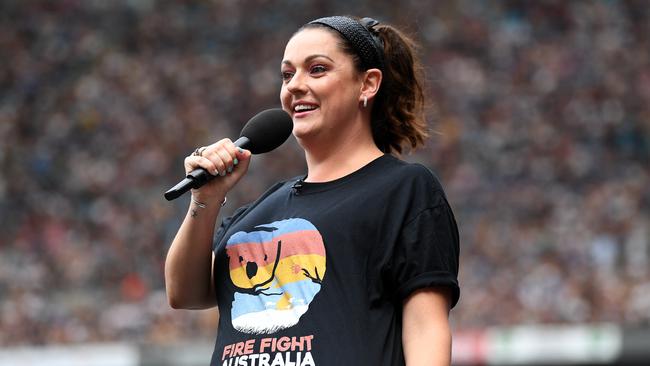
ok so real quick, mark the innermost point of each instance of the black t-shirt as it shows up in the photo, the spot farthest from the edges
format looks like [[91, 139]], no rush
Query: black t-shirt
[[317, 275]]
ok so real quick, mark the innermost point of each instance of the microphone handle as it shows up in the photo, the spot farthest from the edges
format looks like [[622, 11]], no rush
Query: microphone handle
[[198, 177]]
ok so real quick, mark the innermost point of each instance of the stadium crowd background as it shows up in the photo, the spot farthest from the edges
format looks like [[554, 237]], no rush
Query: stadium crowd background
[[542, 118]]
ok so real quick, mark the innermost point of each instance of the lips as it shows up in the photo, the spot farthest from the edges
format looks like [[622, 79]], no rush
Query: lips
[[302, 109]]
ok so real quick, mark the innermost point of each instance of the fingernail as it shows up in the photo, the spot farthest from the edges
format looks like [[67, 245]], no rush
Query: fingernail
[[236, 161], [215, 172], [240, 150], [223, 174], [229, 169]]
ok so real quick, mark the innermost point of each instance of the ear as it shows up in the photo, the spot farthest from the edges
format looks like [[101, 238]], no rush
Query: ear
[[370, 84]]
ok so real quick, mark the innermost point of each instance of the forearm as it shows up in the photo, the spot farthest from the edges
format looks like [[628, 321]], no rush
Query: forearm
[[188, 268]]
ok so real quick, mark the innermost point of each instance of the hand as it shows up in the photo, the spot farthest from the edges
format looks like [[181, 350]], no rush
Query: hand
[[223, 160]]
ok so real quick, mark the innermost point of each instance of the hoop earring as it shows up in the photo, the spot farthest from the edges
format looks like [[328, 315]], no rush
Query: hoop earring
[[365, 101]]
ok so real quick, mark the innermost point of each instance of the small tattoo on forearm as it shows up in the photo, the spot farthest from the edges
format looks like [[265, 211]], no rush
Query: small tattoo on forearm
[[194, 213]]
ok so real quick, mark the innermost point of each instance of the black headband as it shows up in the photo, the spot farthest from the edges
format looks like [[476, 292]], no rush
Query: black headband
[[360, 35]]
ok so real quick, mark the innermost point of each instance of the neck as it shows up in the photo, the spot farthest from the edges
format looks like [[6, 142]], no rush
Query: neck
[[336, 159]]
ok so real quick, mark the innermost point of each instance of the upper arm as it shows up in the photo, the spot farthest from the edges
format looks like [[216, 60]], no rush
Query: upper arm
[[426, 335]]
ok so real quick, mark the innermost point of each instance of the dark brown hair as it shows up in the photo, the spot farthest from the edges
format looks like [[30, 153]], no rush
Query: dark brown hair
[[397, 118]]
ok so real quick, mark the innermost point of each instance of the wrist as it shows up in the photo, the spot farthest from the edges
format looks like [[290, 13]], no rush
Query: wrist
[[205, 202], [209, 195]]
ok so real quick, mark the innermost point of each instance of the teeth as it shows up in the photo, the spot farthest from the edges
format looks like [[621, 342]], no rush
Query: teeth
[[303, 107]]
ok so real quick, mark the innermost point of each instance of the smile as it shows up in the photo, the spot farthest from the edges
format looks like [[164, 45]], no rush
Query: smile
[[302, 109]]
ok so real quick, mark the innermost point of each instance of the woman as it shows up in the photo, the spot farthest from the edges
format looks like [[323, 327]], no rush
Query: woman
[[356, 262]]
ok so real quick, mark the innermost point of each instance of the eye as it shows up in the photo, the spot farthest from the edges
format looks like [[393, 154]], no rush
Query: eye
[[317, 69], [286, 75]]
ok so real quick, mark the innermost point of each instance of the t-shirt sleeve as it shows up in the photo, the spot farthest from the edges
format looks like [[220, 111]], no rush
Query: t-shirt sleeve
[[427, 252]]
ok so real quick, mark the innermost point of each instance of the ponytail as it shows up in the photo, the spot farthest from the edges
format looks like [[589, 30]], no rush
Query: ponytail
[[398, 119]]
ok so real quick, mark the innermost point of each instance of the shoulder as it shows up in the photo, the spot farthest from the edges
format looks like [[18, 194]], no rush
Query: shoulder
[[412, 170], [416, 177]]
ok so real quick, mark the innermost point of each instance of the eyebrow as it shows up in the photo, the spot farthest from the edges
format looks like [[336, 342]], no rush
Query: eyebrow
[[308, 58]]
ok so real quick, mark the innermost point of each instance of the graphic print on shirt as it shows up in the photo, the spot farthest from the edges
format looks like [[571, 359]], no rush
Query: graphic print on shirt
[[276, 269]]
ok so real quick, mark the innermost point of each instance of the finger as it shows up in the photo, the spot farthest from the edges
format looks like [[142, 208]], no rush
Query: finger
[[225, 151], [243, 159], [226, 158], [195, 162], [227, 146], [220, 144], [221, 161], [214, 156], [242, 154], [232, 150]]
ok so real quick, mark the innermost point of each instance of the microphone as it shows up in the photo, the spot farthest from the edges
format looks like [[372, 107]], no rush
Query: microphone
[[297, 186], [264, 132]]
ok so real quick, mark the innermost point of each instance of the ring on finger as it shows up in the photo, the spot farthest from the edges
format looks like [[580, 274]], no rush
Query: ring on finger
[[199, 151]]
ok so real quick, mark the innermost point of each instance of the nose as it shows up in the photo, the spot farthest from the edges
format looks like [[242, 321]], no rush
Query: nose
[[297, 84], [251, 269]]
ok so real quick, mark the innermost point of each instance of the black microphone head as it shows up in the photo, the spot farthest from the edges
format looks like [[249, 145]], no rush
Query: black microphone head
[[267, 130]]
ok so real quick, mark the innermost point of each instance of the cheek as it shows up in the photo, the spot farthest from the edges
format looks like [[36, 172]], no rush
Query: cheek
[[285, 99]]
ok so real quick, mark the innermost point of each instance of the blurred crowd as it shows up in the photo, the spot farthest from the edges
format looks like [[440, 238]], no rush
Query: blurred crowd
[[540, 114]]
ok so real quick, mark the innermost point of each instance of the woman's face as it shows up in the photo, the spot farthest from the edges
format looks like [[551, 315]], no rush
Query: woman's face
[[320, 87]]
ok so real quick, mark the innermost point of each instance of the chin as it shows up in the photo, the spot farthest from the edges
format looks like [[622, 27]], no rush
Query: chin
[[302, 128], [300, 134], [304, 134]]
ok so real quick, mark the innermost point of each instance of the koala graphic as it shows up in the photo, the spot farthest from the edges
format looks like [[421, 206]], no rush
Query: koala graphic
[[276, 271]]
